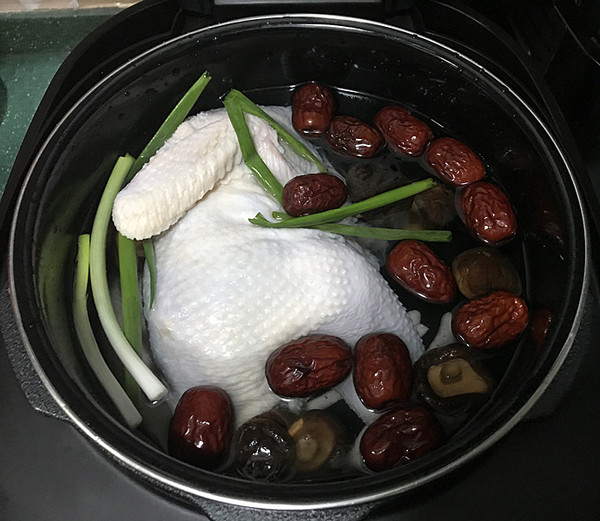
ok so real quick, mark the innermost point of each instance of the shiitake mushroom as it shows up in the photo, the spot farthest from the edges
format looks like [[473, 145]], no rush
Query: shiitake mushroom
[[451, 379], [319, 440], [480, 270], [263, 450], [433, 208]]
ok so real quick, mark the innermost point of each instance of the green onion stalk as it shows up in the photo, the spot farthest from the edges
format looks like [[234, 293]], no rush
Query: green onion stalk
[[152, 387], [88, 342]]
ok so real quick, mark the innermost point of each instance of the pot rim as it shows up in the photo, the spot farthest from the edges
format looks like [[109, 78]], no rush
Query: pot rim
[[350, 498]]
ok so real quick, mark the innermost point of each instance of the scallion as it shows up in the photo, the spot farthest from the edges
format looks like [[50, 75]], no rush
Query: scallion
[[388, 234], [150, 255], [251, 157], [152, 387], [170, 124], [236, 98], [238, 105], [88, 342], [131, 313]]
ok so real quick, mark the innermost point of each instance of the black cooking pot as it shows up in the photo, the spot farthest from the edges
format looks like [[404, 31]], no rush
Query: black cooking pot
[[368, 63]]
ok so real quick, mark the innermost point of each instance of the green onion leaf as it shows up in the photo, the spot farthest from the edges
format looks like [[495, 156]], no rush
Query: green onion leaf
[[88, 342], [148, 382], [151, 263], [249, 107], [337, 214], [251, 157], [170, 124], [130, 296], [388, 234], [131, 314]]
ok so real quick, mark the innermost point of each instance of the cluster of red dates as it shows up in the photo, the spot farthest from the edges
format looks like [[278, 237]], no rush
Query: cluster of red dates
[[495, 317], [446, 380], [381, 370]]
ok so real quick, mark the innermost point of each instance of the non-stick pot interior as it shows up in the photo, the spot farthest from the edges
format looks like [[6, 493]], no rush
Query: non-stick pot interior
[[368, 66]]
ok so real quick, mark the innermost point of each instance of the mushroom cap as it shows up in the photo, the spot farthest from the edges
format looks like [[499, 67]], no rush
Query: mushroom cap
[[316, 435], [452, 379]]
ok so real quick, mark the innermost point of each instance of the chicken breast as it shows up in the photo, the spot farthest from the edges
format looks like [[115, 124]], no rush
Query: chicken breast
[[228, 293]]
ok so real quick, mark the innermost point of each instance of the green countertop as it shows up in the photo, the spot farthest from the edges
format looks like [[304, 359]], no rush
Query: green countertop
[[32, 47]]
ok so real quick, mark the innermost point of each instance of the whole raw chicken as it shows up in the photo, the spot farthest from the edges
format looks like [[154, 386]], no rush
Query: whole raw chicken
[[228, 292]]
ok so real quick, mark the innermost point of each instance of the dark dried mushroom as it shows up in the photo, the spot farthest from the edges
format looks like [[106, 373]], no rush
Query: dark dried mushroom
[[480, 270], [263, 449], [318, 438], [452, 379], [433, 208]]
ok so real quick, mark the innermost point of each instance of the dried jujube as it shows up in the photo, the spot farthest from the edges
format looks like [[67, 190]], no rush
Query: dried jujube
[[308, 365], [488, 213], [490, 321], [404, 133], [418, 269], [454, 162], [312, 193], [352, 137], [201, 427], [399, 437], [382, 370], [312, 109]]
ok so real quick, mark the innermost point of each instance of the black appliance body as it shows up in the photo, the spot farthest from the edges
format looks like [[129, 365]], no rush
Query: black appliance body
[[461, 28]]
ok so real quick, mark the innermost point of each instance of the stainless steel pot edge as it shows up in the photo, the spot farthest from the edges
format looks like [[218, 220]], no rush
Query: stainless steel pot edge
[[139, 467]]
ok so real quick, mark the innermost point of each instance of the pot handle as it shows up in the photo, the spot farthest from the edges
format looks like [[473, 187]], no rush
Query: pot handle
[[28, 377], [589, 332], [224, 512]]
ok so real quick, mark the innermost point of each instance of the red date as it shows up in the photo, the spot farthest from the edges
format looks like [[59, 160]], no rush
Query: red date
[[201, 428], [418, 269], [352, 137], [454, 162], [403, 133], [308, 365], [491, 321], [312, 110], [488, 213], [382, 370], [311, 193], [399, 437]]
